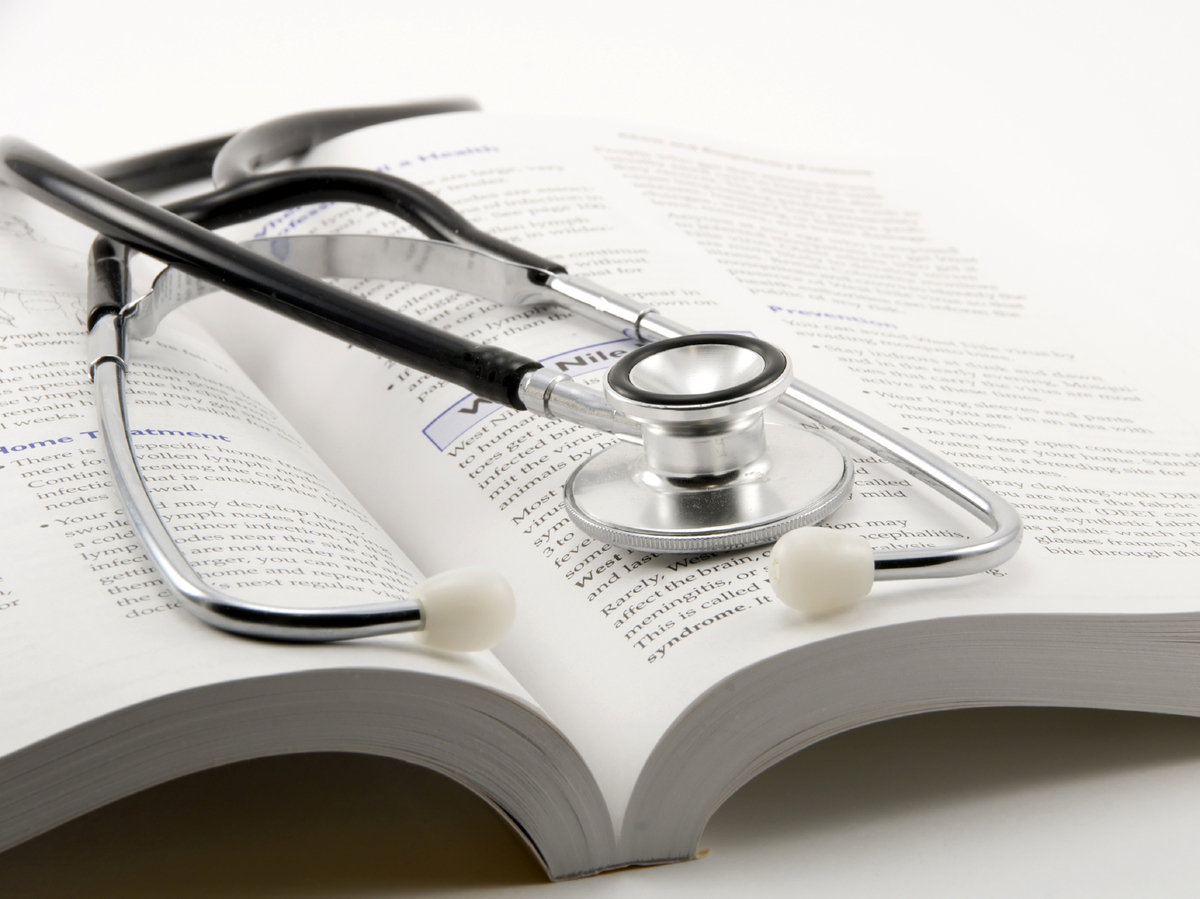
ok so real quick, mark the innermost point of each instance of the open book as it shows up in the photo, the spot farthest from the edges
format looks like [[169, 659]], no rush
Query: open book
[[636, 692]]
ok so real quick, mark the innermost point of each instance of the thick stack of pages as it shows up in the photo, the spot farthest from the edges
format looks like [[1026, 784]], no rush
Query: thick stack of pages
[[636, 692]]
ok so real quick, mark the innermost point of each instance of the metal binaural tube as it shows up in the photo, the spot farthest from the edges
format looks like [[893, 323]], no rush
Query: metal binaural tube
[[966, 558], [206, 603]]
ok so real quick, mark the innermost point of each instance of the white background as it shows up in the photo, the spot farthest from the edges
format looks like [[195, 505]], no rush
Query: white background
[[1059, 142]]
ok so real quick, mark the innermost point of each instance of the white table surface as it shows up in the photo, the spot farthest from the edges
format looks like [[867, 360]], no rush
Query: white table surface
[[1058, 141]]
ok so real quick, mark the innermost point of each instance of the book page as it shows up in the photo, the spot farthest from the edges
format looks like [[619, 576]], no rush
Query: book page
[[616, 643], [86, 623]]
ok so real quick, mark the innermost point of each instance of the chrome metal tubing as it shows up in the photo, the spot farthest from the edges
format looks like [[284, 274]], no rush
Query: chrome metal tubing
[[597, 303], [653, 326], [105, 343], [359, 256], [554, 395], [209, 605], [970, 557], [962, 489]]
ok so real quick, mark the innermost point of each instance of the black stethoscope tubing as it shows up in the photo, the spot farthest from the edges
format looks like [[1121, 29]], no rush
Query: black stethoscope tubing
[[491, 373], [240, 154]]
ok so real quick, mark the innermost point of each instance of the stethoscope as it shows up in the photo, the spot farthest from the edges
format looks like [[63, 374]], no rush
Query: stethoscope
[[696, 469]]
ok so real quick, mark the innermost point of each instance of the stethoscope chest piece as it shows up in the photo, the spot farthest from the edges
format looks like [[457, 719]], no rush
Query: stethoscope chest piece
[[711, 474]]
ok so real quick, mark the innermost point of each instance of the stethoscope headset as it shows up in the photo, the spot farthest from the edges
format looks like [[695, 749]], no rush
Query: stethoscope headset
[[698, 469]]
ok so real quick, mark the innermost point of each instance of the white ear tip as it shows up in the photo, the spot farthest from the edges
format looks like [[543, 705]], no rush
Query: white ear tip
[[819, 571], [465, 609]]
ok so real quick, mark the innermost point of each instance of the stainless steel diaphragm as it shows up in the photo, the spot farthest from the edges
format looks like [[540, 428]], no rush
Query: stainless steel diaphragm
[[711, 474]]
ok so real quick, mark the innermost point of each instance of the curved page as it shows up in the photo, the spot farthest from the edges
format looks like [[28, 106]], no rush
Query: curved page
[[109, 686]]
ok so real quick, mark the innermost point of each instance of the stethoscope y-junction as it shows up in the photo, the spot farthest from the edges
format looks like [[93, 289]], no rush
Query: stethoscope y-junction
[[698, 468]]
